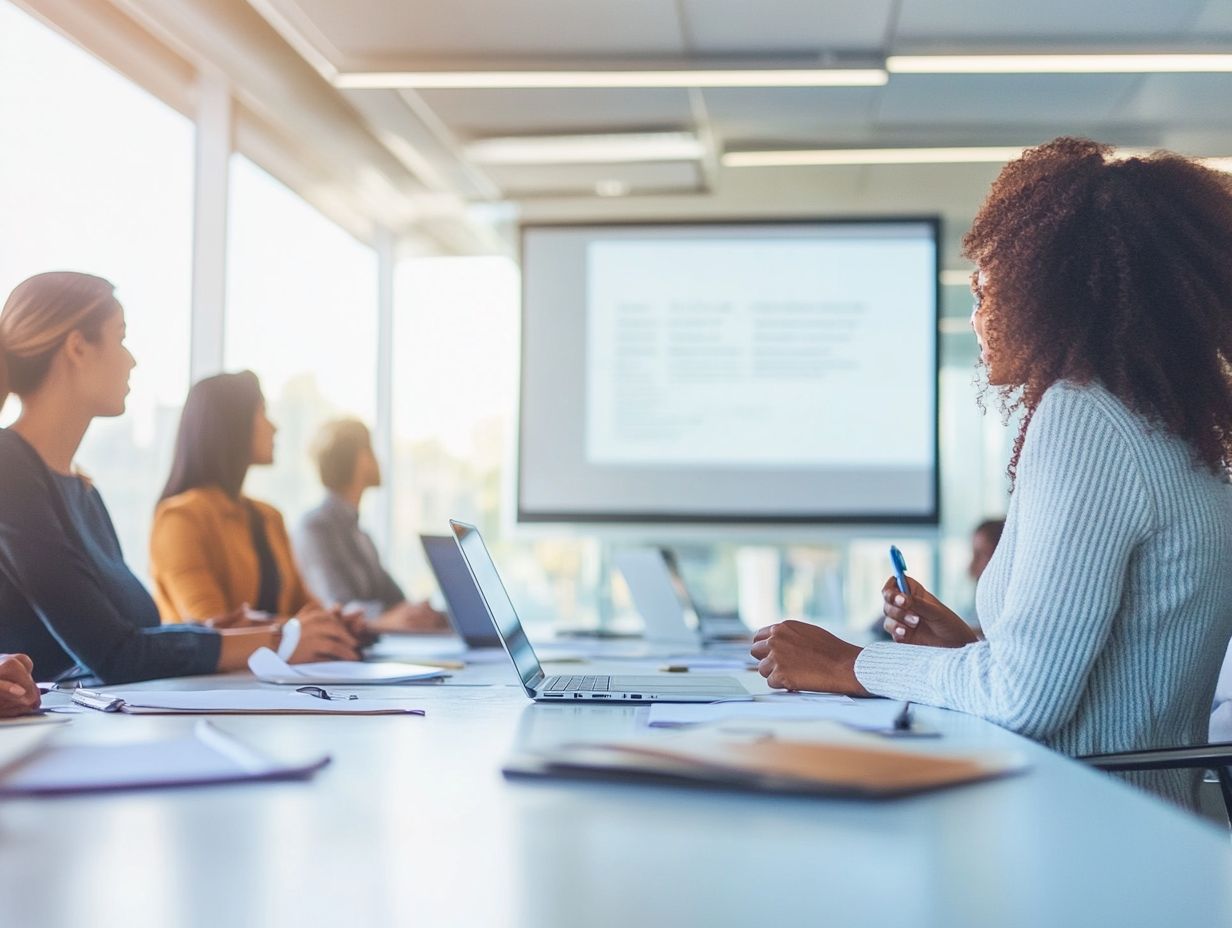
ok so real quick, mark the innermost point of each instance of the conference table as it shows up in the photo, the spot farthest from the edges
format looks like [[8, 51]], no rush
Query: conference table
[[412, 823]]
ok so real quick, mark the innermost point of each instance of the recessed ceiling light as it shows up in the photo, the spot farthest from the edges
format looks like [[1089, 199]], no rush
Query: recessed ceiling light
[[608, 148], [611, 188], [1110, 63], [631, 78], [814, 157], [841, 156]]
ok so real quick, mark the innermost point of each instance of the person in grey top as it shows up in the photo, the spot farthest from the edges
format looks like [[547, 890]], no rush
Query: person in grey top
[[338, 559]]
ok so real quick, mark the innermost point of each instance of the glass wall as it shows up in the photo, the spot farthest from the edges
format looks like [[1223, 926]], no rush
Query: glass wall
[[102, 182], [302, 314], [455, 397]]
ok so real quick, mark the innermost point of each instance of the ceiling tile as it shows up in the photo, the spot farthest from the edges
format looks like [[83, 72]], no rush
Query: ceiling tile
[[1092, 21], [1034, 99], [719, 27], [1181, 99], [478, 113], [1215, 20], [440, 28], [789, 112]]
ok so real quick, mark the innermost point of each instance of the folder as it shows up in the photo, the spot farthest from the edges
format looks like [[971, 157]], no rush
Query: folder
[[50, 768], [844, 767]]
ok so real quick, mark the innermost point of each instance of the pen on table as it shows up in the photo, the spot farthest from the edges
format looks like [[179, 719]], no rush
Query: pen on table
[[902, 721], [443, 665]]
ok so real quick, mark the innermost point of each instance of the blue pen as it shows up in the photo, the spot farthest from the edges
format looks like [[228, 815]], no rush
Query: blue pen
[[900, 569]]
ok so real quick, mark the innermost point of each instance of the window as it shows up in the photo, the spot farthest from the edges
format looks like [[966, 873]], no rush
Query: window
[[301, 314], [96, 176], [455, 396]]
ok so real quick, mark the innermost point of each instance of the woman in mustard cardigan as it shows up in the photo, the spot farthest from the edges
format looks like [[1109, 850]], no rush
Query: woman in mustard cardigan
[[213, 550]]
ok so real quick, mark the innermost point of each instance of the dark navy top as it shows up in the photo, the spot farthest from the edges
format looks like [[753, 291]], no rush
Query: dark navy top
[[67, 598]]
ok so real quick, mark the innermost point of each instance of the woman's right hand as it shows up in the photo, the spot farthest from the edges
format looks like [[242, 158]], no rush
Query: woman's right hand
[[323, 637], [918, 617], [18, 694]]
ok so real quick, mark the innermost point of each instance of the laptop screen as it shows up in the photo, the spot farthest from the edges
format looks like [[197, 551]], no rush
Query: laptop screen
[[466, 606], [500, 608]]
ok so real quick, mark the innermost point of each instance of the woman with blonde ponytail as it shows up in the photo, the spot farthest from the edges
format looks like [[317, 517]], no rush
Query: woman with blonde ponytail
[[67, 599]]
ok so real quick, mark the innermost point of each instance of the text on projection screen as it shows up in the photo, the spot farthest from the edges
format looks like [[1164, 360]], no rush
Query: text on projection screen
[[763, 353]]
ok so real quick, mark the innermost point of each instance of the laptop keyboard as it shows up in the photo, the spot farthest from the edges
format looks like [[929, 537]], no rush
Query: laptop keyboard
[[578, 683]]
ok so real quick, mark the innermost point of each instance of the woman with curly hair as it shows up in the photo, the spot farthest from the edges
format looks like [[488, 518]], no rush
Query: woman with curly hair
[[1104, 313]]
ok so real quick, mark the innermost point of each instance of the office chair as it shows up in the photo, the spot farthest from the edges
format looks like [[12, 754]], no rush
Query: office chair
[[1216, 757]]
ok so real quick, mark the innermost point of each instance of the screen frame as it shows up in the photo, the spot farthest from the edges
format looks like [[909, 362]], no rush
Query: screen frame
[[461, 532], [820, 519], [444, 546]]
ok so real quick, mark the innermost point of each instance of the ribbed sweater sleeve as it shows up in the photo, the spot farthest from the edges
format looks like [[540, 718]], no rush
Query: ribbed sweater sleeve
[[1082, 507]]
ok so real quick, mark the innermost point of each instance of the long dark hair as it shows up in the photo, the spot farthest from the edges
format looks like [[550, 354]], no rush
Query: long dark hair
[[214, 445]]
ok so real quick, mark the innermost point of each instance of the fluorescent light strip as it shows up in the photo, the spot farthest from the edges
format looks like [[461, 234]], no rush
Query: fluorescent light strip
[[1118, 63], [824, 157], [853, 156], [526, 80], [630, 147]]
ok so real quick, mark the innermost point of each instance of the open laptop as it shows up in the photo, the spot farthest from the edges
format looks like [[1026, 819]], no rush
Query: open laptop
[[538, 685], [670, 613], [467, 613]]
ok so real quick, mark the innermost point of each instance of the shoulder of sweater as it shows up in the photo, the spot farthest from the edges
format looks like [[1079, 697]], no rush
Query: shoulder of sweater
[[1089, 405], [200, 500], [318, 518], [16, 453], [24, 477], [1090, 418], [204, 506]]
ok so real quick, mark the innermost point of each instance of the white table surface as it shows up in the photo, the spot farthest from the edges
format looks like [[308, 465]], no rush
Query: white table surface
[[413, 824]]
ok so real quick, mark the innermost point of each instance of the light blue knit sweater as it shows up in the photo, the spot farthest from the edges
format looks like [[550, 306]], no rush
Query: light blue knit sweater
[[1108, 605]]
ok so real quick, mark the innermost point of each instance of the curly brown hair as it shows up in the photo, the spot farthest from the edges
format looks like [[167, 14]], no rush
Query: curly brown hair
[[1116, 271]]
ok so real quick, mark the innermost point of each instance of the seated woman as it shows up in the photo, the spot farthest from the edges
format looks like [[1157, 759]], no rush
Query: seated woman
[[1104, 311], [214, 551], [67, 599], [338, 557], [18, 694]]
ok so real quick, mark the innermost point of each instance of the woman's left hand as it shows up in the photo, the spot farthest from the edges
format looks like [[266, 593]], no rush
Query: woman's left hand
[[799, 656]]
